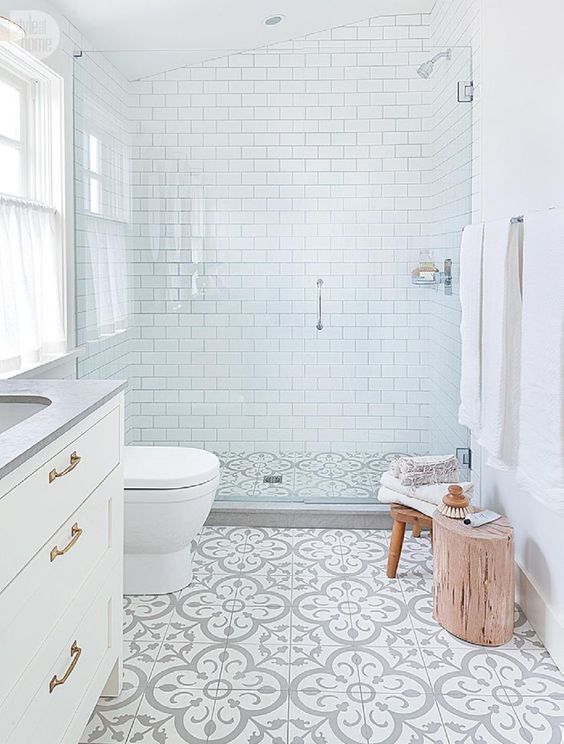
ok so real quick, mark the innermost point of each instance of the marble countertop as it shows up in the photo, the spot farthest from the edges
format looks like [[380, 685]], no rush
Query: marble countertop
[[71, 401]]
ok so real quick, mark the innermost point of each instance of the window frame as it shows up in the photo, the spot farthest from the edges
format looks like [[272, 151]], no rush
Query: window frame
[[21, 144], [45, 176]]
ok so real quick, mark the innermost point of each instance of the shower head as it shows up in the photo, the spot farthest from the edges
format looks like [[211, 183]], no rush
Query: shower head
[[426, 69]]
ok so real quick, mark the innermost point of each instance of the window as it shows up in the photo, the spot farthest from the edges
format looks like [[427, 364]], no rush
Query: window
[[106, 167], [31, 199], [12, 136]]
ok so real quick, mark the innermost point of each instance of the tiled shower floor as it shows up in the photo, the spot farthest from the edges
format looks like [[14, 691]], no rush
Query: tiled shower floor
[[298, 637], [307, 477]]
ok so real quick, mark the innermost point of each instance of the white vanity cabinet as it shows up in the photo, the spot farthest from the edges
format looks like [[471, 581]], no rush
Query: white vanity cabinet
[[61, 581]]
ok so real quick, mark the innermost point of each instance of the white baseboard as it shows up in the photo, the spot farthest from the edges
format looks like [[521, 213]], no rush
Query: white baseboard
[[548, 625]]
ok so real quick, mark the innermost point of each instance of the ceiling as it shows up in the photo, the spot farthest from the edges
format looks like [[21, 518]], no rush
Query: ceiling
[[145, 37]]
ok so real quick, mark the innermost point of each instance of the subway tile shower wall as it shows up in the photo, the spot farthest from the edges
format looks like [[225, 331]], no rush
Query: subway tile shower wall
[[253, 176]]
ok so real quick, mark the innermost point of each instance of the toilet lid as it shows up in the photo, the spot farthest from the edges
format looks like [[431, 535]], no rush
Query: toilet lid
[[168, 467]]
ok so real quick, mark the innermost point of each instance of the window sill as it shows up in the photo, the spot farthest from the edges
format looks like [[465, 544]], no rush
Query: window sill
[[47, 367]]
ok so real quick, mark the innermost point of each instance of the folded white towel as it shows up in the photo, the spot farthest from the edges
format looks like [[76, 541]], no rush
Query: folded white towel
[[424, 469], [433, 494], [471, 256], [541, 448], [501, 342], [386, 496]]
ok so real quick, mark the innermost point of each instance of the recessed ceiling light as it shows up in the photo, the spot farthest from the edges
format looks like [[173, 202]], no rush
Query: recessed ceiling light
[[273, 20]]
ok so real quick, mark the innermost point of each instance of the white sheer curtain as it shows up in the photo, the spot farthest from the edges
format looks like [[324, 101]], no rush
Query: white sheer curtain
[[31, 313], [106, 247]]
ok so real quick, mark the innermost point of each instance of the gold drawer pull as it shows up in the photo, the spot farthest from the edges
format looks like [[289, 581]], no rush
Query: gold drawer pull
[[74, 460], [75, 653], [76, 532]]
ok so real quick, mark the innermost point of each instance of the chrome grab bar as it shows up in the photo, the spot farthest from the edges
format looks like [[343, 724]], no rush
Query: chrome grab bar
[[319, 325]]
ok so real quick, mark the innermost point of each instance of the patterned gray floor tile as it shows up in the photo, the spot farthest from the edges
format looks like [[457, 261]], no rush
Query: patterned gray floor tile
[[146, 617], [298, 637], [325, 591], [373, 592], [322, 717], [250, 717], [271, 588], [217, 589], [478, 719], [113, 718], [322, 625], [457, 672], [399, 719], [220, 548], [269, 625], [325, 669], [393, 670], [255, 666], [200, 624], [172, 715], [530, 673], [355, 485], [319, 549], [192, 665], [382, 622], [542, 720], [241, 463], [268, 551], [280, 493], [416, 557], [524, 635], [313, 488], [237, 488]]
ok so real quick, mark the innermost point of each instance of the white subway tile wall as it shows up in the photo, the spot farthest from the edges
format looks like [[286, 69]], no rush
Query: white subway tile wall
[[252, 177]]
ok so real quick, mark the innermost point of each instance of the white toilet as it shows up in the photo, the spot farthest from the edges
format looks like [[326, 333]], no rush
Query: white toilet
[[169, 492]]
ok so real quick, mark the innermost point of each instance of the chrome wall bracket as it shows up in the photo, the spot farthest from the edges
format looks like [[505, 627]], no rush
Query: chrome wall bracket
[[465, 91], [445, 277]]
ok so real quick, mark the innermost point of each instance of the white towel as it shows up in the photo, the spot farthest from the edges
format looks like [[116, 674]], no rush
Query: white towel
[[433, 494], [471, 256], [501, 339], [386, 496], [541, 447]]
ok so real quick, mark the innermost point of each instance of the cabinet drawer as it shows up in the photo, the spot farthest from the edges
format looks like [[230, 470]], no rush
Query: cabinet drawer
[[76, 657], [34, 602], [41, 503]]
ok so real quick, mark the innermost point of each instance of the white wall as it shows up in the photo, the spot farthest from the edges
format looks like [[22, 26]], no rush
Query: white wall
[[523, 170]]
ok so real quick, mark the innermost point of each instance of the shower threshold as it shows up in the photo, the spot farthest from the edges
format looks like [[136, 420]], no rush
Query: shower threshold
[[302, 516]]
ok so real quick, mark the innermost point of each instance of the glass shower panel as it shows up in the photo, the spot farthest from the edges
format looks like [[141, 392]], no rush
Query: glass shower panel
[[280, 201]]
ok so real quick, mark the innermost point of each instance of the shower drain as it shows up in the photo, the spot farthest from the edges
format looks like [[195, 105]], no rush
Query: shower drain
[[272, 479]]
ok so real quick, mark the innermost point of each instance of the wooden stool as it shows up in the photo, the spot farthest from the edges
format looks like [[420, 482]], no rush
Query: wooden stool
[[474, 580], [403, 515]]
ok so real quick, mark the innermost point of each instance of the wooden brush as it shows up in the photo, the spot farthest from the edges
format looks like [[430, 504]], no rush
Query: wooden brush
[[455, 504]]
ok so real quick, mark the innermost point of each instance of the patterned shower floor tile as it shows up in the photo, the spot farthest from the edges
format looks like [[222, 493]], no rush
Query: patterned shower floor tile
[[306, 477]]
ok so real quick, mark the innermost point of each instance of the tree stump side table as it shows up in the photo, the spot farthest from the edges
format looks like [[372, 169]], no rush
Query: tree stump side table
[[474, 580]]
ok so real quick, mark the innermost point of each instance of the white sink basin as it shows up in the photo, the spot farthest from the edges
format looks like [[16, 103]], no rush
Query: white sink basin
[[17, 408]]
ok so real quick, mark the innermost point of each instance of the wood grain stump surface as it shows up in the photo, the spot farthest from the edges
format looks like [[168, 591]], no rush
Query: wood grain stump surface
[[474, 580]]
